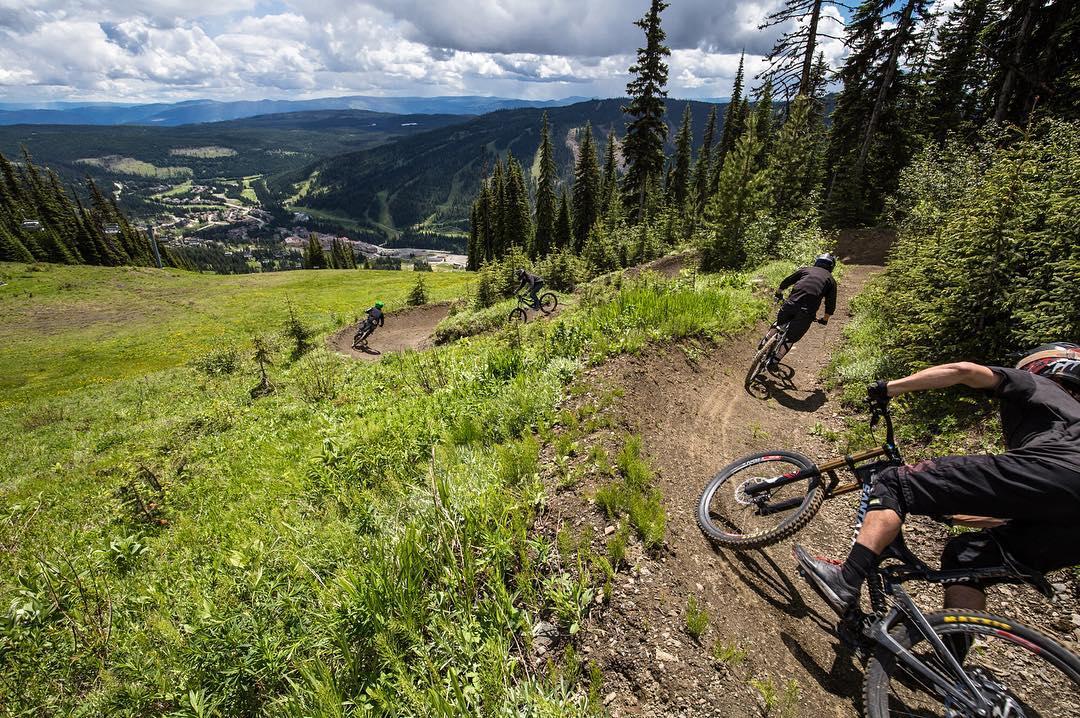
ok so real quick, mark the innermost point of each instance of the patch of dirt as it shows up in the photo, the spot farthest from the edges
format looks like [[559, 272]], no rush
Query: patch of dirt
[[668, 266], [695, 417], [865, 246], [408, 329]]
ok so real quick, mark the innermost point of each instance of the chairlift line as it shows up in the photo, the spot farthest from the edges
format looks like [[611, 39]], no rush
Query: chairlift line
[[112, 228], [31, 225]]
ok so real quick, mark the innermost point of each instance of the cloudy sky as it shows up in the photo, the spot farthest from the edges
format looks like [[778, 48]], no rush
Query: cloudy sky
[[151, 50]]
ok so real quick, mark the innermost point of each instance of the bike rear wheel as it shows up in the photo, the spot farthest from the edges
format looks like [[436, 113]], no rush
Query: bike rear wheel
[[361, 338], [518, 316], [1026, 673], [548, 302], [734, 519]]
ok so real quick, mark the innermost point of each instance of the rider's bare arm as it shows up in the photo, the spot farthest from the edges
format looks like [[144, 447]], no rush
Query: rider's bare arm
[[945, 375]]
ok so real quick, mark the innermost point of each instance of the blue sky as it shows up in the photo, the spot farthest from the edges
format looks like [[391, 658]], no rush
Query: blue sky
[[166, 50]]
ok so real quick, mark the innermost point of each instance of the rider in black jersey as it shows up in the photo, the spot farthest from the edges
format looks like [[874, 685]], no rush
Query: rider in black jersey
[[534, 284], [1026, 499], [811, 285]]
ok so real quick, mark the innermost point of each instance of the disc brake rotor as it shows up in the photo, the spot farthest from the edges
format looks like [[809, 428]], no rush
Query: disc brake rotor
[[746, 499]]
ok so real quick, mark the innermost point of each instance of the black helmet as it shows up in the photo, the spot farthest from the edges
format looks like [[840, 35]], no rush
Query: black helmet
[[825, 261], [519, 272], [1059, 361]]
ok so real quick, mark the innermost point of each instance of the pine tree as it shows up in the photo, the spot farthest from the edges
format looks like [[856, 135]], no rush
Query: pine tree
[[546, 207], [11, 249], [518, 229], [733, 122], [679, 191], [958, 71], [475, 249], [499, 241], [564, 233], [742, 196], [418, 295], [609, 187], [586, 189], [792, 57], [794, 163], [763, 119], [314, 257], [703, 168], [643, 146]]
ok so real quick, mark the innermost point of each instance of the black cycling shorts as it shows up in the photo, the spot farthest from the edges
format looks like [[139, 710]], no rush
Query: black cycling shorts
[[1038, 545], [797, 319]]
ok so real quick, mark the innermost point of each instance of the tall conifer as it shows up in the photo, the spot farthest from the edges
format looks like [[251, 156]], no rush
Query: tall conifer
[[643, 146]]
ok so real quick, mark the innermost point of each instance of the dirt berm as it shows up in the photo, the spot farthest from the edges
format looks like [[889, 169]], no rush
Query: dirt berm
[[410, 328]]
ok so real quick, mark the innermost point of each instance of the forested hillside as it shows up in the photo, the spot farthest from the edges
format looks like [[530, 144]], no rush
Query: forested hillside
[[430, 179], [41, 221]]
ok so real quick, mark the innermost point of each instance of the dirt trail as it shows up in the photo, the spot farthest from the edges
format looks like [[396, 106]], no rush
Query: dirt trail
[[695, 417], [408, 329]]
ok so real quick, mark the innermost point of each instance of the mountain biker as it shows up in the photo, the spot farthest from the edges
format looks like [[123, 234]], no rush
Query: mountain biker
[[812, 284], [533, 282], [374, 318], [1027, 499]]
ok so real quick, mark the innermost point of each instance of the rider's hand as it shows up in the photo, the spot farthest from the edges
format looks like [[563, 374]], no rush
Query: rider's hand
[[878, 391], [779, 296]]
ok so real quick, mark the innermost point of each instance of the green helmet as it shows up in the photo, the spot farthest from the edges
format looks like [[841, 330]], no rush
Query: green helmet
[[378, 305]]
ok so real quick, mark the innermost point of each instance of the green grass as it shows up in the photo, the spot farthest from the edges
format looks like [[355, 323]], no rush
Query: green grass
[[132, 166], [357, 542], [207, 152], [65, 327]]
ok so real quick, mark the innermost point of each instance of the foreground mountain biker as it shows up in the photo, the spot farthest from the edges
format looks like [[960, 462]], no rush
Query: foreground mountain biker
[[811, 285], [1027, 499], [532, 282]]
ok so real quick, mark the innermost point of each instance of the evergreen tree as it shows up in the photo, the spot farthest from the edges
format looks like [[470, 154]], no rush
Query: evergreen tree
[[703, 168], [609, 188], [795, 161], [475, 248], [546, 207], [518, 229], [564, 233], [742, 196], [418, 295], [733, 122], [643, 146], [586, 189], [763, 119], [499, 242], [792, 57], [314, 257], [679, 191], [958, 71], [11, 249]]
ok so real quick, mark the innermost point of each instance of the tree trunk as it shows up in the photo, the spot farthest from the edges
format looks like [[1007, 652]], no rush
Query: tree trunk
[[811, 45], [1010, 75]]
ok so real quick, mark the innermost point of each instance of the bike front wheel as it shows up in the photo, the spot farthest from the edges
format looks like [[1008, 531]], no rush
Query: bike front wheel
[[733, 515], [548, 302], [1018, 671], [757, 365], [518, 316]]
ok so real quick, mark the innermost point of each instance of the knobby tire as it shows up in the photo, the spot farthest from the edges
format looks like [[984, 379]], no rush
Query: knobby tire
[[792, 522]]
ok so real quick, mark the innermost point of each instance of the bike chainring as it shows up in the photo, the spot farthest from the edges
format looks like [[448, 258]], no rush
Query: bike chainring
[[1002, 704]]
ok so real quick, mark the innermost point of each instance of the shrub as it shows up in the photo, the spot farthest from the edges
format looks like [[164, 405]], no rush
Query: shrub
[[381, 262], [218, 362], [697, 618], [298, 332], [421, 265], [319, 376], [418, 295]]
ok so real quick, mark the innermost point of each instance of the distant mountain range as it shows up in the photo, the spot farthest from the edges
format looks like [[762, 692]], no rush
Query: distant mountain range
[[198, 111]]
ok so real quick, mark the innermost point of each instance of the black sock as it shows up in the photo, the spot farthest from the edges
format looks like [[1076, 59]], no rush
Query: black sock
[[858, 564]]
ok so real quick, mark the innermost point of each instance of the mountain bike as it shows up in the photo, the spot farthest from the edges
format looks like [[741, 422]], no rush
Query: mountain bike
[[366, 328], [952, 663], [520, 313], [955, 663]]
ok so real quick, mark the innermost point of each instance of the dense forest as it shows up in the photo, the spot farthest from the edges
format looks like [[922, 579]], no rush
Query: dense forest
[[761, 178], [41, 221]]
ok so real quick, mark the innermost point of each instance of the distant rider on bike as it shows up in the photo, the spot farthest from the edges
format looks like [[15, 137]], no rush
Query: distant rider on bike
[[374, 318], [812, 284], [1032, 491], [534, 284]]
